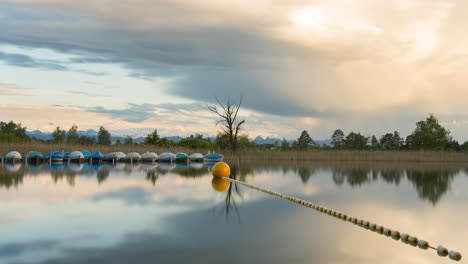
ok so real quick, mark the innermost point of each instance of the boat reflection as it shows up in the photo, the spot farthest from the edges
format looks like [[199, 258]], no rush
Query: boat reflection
[[430, 181]]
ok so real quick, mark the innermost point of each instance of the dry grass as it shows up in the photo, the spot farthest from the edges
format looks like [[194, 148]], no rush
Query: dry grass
[[259, 156]]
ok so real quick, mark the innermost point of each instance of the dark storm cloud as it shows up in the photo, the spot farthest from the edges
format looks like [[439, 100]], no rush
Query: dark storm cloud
[[21, 60], [134, 113], [140, 112], [206, 60], [15, 249]]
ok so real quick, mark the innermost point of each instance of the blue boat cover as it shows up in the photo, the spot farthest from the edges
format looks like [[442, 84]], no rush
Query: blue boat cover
[[214, 156], [97, 155], [86, 154]]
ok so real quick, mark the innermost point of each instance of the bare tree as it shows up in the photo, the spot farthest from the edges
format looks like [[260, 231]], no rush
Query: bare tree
[[228, 118]]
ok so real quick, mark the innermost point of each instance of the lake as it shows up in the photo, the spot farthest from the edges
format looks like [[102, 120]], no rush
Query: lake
[[163, 213]]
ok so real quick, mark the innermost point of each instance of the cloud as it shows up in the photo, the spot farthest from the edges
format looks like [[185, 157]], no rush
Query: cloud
[[89, 94], [371, 59], [134, 113], [15, 249], [7, 89], [21, 60]]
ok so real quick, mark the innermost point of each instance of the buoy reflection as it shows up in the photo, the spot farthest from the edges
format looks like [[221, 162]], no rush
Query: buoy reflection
[[220, 185]]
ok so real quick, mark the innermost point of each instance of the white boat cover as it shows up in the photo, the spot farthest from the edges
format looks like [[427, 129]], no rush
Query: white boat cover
[[13, 155]]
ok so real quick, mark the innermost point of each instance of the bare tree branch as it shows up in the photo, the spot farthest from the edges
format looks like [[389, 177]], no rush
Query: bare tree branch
[[228, 113]]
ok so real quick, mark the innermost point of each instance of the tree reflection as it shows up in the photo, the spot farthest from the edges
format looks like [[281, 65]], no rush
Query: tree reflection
[[305, 173], [152, 176], [431, 185]]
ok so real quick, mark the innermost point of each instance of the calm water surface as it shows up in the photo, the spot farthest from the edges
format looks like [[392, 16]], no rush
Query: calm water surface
[[171, 214]]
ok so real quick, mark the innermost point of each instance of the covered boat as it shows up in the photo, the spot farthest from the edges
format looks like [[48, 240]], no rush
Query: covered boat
[[196, 157], [215, 157], [86, 154], [133, 157], [115, 156], [13, 156], [97, 157], [166, 156], [34, 157], [149, 157], [181, 157], [66, 156], [76, 156], [54, 157]]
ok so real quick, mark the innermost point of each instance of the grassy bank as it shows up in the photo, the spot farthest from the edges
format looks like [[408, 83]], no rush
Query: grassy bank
[[259, 156]]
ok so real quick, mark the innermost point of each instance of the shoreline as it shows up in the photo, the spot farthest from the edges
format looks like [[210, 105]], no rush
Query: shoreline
[[259, 155]]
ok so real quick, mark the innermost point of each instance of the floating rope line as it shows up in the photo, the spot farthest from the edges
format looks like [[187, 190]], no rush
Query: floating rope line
[[396, 235]]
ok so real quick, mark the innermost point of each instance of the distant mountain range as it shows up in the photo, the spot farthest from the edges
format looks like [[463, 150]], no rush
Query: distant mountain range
[[93, 133], [277, 141]]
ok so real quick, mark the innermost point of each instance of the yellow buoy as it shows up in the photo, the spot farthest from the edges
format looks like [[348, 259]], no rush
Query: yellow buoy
[[220, 185], [221, 169]]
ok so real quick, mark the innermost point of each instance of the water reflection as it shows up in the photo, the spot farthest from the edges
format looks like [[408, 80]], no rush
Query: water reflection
[[169, 213], [430, 183]]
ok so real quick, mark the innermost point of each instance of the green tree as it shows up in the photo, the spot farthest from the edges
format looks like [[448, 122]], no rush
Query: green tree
[[356, 141], [386, 141], [59, 135], [152, 138], [222, 141], [13, 132], [128, 140], [195, 142], [84, 140], [305, 141], [72, 135], [429, 134], [285, 144], [104, 137], [245, 143], [375, 144], [338, 139]]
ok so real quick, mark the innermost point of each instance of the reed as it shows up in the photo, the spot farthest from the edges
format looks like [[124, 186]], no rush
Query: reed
[[257, 155]]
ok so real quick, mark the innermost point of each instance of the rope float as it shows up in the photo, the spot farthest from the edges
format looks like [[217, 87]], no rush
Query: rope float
[[223, 171]]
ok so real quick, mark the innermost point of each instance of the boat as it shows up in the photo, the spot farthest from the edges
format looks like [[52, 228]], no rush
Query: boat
[[86, 155], [149, 157], [97, 157], [196, 157], [133, 157], [215, 157], [13, 156], [34, 157], [181, 157], [54, 157], [115, 156], [166, 156], [76, 156], [66, 156]]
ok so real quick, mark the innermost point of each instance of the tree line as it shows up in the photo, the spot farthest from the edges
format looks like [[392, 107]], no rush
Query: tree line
[[429, 134]]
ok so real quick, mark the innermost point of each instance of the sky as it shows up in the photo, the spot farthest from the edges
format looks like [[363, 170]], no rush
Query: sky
[[369, 66]]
